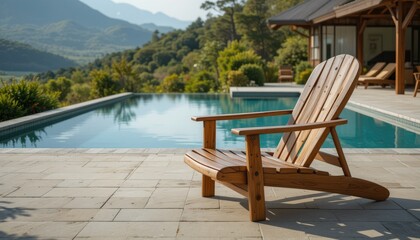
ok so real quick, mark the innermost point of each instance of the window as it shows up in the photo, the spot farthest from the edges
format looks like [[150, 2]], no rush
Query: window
[[338, 40]]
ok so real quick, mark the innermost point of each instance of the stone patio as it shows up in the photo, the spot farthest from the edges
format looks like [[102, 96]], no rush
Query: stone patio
[[151, 193]]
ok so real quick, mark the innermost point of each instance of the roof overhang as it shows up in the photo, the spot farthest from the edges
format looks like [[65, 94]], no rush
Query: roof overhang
[[341, 9], [357, 6]]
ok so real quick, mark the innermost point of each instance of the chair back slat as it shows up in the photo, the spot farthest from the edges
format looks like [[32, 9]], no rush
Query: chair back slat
[[323, 99], [388, 70]]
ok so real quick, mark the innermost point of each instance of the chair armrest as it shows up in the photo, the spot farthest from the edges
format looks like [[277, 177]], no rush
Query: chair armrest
[[288, 128], [241, 115]]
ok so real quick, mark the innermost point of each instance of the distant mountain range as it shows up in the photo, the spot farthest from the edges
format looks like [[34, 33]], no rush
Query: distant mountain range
[[16, 56], [135, 15], [67, 27]]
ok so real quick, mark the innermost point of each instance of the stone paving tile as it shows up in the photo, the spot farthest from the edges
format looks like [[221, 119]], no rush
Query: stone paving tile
[[324, 230], [404, 230], [218, 229], [215, 215], [126, 202], [293, 215], [168, 198], [129, 229], [59, 215], [39, 230], [133, 192], [30, 192], [34, 202], [85, 202], [89, 176], [80, 192], [149, 215], [373, 215], [195, 200]]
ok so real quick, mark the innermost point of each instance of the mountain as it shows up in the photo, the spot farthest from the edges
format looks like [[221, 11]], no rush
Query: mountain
[[16, 56], [153, 27], [135, 15], [67, 27]]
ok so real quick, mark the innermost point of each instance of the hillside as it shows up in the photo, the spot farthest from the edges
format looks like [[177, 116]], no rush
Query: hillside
[[16, 56], [134, 15], [67, 27]]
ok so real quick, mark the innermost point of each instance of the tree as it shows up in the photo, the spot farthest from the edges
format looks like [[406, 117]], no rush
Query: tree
[[123, 71], [253, 27], [172, 83], [228, 9], [293, 51], [102, 84], [61, 85]]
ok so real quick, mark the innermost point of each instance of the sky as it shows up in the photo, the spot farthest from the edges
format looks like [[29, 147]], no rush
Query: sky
[[181, 9]]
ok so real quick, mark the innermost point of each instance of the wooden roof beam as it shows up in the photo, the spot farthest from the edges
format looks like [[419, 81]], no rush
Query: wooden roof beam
[[410, 15]]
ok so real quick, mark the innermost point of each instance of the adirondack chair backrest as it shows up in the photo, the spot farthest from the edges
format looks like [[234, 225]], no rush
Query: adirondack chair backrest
[[323, 98]]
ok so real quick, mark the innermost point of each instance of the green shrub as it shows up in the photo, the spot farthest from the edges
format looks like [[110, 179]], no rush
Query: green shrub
[[9, 108], [254, 73], [201, 82], [242, 58], [172, 83], [300, 68], [62, 85], [237, 79], [26, 96], [292, 51], [271, 72], [304, 76], [102, 84]]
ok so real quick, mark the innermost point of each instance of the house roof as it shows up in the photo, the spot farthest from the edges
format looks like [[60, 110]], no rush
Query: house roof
[[314, 11]]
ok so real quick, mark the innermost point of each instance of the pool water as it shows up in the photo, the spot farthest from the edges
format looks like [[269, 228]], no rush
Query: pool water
[[164, 121]]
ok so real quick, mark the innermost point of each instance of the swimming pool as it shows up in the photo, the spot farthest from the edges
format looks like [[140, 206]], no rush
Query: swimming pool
[[163, 121]]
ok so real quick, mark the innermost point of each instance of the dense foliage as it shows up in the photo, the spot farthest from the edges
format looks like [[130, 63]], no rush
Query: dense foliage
[[234, 48], [22, 98]]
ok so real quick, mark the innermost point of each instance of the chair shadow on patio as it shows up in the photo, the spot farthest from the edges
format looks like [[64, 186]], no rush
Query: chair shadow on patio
[[338, 216]]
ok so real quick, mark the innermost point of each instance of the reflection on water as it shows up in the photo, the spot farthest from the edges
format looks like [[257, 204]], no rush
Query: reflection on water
[[164, 121]]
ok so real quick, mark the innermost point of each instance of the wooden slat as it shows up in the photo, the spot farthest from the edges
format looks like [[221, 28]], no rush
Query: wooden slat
[[242, 115], [272, 163], [220, 159], [211, 163]]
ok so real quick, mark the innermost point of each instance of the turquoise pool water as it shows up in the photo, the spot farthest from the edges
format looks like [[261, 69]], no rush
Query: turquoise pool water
[[163, 121]]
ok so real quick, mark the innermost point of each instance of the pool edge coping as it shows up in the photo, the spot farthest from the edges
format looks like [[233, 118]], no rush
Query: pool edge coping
[[17, 124]]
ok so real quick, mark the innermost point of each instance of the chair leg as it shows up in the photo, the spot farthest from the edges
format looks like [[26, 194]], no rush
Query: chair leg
[[207, 187], [256, 198], [416, 88]]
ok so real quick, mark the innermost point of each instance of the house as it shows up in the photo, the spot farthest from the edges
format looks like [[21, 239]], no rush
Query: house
[[371, 30]]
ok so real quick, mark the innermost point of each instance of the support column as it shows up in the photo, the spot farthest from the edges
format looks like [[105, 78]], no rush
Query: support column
[[361, 26], [399, 49]]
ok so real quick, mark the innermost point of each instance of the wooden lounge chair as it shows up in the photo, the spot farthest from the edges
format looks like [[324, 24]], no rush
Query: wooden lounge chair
[[417, 78], [381, 78], [285, 74], [315, 115], [374, 70]]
